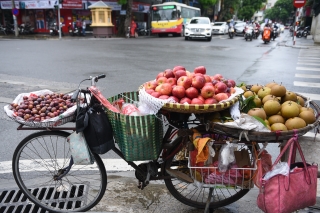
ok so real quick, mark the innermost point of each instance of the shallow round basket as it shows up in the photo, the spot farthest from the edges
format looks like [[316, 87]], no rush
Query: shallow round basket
[[268, 136], [46, 124], [199, 108]]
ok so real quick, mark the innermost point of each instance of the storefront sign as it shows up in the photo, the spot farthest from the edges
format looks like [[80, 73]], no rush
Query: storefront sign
[[8, 5], [72, 4], [36, 4], [111, 3], [140, 7]]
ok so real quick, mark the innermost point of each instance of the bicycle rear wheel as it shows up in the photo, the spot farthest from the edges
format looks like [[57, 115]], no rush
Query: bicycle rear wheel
[[192, 194], [41, 156]]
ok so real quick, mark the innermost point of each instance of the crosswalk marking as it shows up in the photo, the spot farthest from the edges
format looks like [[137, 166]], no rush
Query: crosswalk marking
[[314, 97], [308, 68], [308, 63], [306, 84], [306, 76], [306, 57]]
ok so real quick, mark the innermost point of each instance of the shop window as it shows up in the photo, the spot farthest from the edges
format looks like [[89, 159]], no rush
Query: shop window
[[101, 17]]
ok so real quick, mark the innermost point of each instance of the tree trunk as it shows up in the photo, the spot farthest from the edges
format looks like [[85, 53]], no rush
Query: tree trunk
[[128, 16]]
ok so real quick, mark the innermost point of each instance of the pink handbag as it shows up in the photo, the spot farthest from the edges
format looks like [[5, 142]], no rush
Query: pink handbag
[[286, 194]]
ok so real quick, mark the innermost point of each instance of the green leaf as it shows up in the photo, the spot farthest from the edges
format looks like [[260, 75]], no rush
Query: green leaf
[[260, 119], [247, 104]]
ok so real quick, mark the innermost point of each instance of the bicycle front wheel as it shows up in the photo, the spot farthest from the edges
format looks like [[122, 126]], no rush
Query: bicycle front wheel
[[41, 157]]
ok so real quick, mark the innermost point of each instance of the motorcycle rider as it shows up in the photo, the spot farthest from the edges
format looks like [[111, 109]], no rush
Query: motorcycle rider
[[274, 28]]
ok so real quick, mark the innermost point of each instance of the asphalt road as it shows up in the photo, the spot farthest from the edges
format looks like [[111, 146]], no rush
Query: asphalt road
[[59, 65]]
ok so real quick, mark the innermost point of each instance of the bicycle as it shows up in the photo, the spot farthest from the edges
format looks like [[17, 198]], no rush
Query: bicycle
[[44, 171]]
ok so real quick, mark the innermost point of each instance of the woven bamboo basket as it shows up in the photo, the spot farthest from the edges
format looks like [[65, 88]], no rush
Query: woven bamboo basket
[[269, 136], [199, 108], [139, 137]]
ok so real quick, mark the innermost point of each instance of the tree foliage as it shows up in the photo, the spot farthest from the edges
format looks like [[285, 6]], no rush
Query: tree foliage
[[207, 3], [281, 11], [228, 8], [248, 8]]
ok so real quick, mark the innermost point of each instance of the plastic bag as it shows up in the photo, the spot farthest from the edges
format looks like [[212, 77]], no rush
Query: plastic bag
[[226, 156], [281, 168], [130, 109]]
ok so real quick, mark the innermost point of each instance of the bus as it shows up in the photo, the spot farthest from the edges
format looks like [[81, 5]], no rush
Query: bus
[[171, 17]]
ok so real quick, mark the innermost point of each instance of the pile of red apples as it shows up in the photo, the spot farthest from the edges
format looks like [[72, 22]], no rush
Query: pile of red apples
[[187, 87]]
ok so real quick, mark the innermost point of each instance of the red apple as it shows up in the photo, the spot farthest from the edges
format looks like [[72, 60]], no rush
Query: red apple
[[180, 73], [150, 85], [196, 101], [200, 97], [176, 68], [184, 81], [192, 92], [200, 69], [232, 82], [210, 101], [208, 83], [172, 81], [217, 77], [220, 87], [207, 91], [176, 100], [149, 91], [208, 79], [179, 91], [168, 73], [163, 97], [159, 75], [185, 100], [161, 80], [221, 96], [198, 81], [156, 94], [164, 89]]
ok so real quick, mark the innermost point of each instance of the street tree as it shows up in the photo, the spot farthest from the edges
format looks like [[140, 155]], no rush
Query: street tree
[[248, 8], [228, 8], [281, 11], [124, 21], [205, 4]]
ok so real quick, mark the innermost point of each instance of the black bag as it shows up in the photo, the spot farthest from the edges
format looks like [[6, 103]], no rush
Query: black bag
[[96, 127]]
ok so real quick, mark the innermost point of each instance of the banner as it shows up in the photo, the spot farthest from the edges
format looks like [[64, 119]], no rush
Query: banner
[[72, 4], [8, 5], [140, 7], [36, 4]]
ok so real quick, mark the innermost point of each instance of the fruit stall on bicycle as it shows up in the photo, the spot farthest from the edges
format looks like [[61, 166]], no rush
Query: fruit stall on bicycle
[[200, 134]]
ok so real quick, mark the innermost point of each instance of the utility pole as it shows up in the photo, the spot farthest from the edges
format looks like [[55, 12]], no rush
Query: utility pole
[[16, 32]]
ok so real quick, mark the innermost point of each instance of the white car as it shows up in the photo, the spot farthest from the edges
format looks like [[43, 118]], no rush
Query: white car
[[219, 28], [198, 28]]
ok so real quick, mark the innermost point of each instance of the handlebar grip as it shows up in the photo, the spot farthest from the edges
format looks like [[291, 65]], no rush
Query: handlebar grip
[[75, 95], [101, 76]]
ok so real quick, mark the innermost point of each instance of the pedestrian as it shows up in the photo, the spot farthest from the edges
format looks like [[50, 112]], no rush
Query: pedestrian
[[84, 24]]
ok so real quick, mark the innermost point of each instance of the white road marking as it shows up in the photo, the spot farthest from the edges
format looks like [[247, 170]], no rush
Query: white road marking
[[308, 68], [306, 76], [306, 84], [110, 164], [315, 97], [303, 63], [307, 57]]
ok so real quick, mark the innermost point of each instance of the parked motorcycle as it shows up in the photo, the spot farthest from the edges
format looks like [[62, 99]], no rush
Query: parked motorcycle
[[74, 29], [248, 33], [266, 36], [54, 30], [3, 29], [231, 31], [26, 29], [9, 28], [306, 31]]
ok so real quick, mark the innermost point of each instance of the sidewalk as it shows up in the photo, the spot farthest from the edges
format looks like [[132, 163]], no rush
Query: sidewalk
[[42, 36], [302, 43]]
